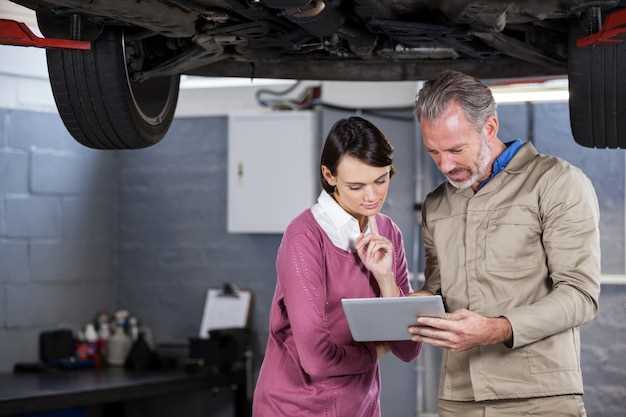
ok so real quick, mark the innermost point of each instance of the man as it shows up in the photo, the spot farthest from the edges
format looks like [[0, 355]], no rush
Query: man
[[512, 244]]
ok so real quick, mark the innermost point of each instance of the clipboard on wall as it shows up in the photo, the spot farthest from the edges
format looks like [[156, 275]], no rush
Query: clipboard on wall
[[225, 308]]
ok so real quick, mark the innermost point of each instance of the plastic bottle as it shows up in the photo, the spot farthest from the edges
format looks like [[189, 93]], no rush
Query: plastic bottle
[[118, 347]]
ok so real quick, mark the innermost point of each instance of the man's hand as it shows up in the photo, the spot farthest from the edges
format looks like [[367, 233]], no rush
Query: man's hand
[[461, 330], [420, 293]]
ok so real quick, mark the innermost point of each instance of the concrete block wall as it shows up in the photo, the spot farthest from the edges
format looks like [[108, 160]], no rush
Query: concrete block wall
[[603, 352], [58, 231], [173, 239]]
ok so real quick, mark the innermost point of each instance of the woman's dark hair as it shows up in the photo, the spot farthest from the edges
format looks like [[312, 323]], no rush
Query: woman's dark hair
[[358, 138]]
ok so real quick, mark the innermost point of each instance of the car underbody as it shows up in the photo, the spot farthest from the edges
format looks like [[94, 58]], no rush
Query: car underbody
[[147, 44], [341, 40]]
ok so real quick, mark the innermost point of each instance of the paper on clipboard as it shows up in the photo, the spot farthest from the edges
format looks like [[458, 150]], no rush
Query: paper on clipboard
[[224, 311]]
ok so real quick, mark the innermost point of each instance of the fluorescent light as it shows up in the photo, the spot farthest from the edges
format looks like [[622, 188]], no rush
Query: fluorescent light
[[549, 90], [613, 279], [194, 82], [531, 96]]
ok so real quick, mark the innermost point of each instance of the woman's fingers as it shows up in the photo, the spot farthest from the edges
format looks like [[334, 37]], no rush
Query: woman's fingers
[[373, 250], [361, 251], [363, 240], [373, 224], [368, 246], [379, 246]]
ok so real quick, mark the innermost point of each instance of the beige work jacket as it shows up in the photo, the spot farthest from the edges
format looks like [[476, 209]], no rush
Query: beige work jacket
[[526, 247]]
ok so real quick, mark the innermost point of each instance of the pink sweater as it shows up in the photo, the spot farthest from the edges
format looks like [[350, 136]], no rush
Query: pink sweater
[[312, 367]]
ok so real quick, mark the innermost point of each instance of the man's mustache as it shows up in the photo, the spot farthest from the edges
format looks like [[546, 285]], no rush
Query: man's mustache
[[456, 171]]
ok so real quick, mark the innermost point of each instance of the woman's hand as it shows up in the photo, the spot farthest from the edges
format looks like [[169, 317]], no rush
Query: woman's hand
[[376, 253], [381, 349]]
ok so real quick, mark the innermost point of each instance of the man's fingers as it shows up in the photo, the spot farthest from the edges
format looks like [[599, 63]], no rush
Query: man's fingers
[[441, 343], [420, 293], [433, 333], [450, 317], [459, 314], [443, 324], [434, 342]]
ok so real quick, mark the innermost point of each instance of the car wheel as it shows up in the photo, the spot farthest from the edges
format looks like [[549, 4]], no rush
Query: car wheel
[[98, 102], [597, 89]]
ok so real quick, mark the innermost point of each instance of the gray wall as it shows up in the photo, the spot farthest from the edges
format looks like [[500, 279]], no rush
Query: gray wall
[[603, 353], [173, 239], [58, 231]]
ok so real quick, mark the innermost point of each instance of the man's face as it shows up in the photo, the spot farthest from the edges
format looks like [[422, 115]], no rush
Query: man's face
[[460, 152]]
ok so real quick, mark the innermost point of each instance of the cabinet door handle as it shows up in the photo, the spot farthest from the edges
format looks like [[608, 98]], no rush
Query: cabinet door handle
[[240, 170]]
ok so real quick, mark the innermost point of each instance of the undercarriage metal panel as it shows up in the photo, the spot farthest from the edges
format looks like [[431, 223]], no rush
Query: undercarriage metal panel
[[379, 71]]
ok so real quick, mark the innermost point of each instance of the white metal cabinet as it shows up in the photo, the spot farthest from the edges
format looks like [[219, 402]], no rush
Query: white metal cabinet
[[273, 171]]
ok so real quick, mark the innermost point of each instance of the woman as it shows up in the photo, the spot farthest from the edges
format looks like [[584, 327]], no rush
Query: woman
[[341, 248]]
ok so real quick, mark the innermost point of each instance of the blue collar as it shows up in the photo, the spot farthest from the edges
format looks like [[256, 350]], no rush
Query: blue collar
[[503, 159]]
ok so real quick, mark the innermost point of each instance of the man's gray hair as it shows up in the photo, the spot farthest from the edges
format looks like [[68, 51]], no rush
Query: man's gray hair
[[474, 97]]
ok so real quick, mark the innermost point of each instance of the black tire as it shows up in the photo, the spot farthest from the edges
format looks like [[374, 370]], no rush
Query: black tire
[[597, 87], [100, 106]]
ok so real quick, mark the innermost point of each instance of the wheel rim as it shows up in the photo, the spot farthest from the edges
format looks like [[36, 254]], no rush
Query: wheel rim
[[152, 98]]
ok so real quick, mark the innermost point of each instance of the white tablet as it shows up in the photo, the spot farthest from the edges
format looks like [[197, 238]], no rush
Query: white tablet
[[388, 319]]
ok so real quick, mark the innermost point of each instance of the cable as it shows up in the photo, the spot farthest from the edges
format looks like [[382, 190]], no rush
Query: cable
[[376, 112], [261, 92], [310, 99]]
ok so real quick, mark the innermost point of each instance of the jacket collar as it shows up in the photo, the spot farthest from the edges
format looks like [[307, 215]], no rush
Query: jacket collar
[[525, 154], [517, 165]]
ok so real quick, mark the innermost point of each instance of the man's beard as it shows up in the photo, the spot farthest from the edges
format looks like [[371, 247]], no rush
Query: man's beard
[[480, 167]]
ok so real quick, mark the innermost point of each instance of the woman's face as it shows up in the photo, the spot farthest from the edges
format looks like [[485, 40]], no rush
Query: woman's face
[[361, 189]]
